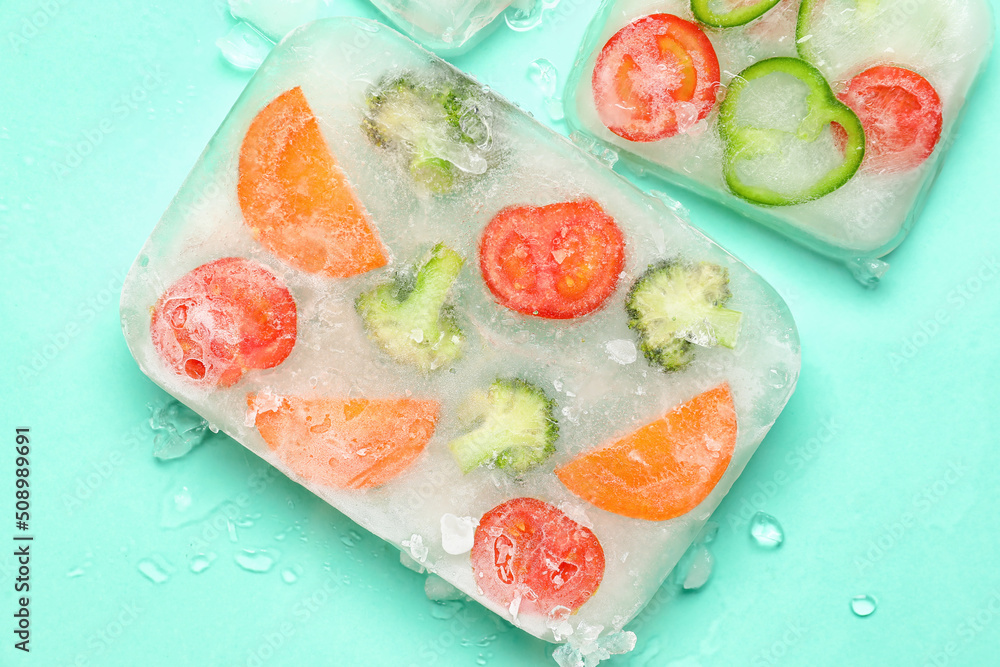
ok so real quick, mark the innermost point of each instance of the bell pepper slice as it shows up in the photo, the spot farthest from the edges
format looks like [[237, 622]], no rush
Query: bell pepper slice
[[745, 142], [740, 12]]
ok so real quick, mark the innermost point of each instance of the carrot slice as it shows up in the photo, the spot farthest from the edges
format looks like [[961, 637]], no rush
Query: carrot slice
[[346, 443], [664, 469], [296, 199]]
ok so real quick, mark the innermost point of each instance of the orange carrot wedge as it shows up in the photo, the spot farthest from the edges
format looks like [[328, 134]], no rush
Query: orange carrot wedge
[[296, 199], [664, 469], [348, 444]]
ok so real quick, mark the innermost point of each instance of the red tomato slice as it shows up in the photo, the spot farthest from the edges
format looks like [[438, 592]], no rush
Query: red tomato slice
[[654, 76], [901, 114], [556, 261], [528, 551], [222, 319]]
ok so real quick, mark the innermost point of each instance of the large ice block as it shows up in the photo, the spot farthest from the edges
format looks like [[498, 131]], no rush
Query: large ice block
[[448, 26], [458, 329], [826, 120]]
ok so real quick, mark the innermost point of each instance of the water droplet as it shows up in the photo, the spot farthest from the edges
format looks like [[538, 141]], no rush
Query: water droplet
[[231, 528], [863, 605], [351, 538], [72, 574], [200, 562], [290, 576], [766, 531], [153, 571], [256, 560]]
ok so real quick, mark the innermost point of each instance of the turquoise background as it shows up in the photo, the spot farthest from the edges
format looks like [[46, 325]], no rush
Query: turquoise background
[[884, 470]]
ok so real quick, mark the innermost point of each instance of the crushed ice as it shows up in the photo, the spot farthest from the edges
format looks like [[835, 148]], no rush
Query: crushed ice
[[621, 351], [418, 550], [586, 648], [176, 430], [457, 533]]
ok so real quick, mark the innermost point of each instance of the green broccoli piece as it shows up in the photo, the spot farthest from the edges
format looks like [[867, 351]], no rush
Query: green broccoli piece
[[516, 428], [675, 305], [409, 319], [426, 121]]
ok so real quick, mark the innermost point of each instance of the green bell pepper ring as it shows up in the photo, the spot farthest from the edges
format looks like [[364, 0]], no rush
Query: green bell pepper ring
[[745, 142], [734, 17]]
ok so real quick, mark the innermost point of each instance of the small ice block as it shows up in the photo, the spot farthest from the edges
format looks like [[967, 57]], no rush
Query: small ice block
[[449, 27], [459, 329], [826, 120]]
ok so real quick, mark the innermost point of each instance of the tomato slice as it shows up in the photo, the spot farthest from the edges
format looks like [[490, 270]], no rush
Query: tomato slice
[[654, 77], [556, 261], [345, 443], [527, 551], [222, 319], [901, 114]]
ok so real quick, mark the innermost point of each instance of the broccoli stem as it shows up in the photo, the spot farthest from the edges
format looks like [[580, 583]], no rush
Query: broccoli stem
[[725, 325], [434, 280]]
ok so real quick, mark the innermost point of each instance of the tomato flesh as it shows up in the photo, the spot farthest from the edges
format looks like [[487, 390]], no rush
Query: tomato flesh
[[556, 261], [528, 552], [655, 77], [901, 115], [222, 319]]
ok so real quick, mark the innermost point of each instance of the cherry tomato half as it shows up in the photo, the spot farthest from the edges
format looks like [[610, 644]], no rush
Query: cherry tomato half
[[654, 77], [556, 261], [528, 551], [222, 319], [901, 114]]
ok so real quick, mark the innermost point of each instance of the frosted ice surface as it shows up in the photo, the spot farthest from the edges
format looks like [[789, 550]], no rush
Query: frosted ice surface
[[309, 408]]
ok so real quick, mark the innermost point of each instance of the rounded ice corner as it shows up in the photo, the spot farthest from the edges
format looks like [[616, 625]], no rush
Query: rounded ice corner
[[863, 219]]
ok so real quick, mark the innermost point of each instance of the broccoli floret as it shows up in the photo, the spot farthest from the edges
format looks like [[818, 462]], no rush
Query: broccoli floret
[[426, 122], [409, 319], [516, 428], [675, 305]]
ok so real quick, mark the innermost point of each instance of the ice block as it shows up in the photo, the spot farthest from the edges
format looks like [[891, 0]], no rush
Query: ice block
[[448, 26], [826, 120], [459, 329]]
